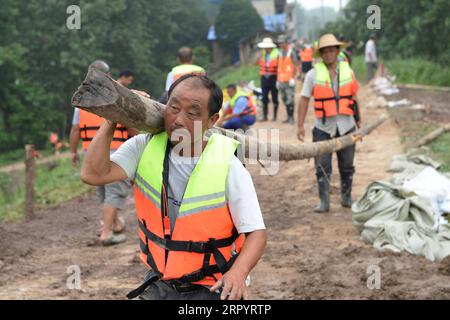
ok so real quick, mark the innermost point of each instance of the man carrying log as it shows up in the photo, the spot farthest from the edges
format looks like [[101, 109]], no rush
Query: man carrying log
[[334, 87], [194, 199]]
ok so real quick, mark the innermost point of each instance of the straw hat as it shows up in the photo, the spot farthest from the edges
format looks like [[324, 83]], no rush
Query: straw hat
[[327, 40], [267, 43]]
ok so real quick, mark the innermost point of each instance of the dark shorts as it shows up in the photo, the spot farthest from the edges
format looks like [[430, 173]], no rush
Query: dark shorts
[[306, 66]]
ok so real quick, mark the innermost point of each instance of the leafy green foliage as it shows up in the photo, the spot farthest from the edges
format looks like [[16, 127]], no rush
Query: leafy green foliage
[[237, 19], [42, 62], [409, 29]]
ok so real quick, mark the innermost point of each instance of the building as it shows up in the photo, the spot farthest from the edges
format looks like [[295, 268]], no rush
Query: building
[[274, 14], [264, 7]]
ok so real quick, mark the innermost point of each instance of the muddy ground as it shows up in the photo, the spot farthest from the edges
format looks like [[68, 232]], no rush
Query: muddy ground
[[308, 256]]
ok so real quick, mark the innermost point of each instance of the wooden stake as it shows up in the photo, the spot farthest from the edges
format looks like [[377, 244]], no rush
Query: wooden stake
[[432, 135], [30, 174]]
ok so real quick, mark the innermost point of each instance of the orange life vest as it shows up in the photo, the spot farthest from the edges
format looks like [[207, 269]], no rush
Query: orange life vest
[[286, 67], [326, 104], [53, 138], [272, 66], [250, 109], [89, 124], [199, 248], [306, 55]]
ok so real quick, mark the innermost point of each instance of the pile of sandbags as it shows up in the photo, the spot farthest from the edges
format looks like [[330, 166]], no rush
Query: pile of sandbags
[[384, 85], [407, 213]]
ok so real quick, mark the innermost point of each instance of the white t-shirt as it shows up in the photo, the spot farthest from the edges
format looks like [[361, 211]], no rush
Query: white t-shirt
[[76, 117], [240, 193], [370, 52], [169, 80]]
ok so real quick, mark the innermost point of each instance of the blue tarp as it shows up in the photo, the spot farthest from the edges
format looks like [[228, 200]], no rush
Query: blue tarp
[[275, 23], [211, 34]]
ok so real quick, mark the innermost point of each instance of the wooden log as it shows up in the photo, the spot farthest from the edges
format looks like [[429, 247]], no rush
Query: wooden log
[[30, 173], [298, 151], [432, 135], [105, 97]]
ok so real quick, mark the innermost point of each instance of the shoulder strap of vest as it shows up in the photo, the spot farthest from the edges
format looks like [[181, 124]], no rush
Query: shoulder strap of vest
[[322, 75]]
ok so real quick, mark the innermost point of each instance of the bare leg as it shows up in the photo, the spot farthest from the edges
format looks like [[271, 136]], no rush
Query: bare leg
[[109, 216], [118, 225]]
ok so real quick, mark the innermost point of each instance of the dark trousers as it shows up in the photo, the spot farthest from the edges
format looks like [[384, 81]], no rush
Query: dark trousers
[[162, 290], [243, 122], [269, 84], [345, 157]]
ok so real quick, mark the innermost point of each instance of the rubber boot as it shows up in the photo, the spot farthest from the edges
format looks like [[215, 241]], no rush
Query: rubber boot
[[291, 114], [324, 195], [291, 120], [275, 111], [346, 191], [288, 113], [265, 110]]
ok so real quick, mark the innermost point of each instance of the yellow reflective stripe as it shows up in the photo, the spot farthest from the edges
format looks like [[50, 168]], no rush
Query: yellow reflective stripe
[[147, 194], [194, 205], [201, 209], [204, 197], [149, 187]]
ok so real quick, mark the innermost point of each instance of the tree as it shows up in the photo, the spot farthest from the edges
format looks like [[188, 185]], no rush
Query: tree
[[413, 28], [42, 62], [237, 19]]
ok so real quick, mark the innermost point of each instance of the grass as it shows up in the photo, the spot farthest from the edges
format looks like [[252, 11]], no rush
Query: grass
[[412, 71], [52, 186], [359, 67], [416, 71], [18, 155], [235, 75], [419, 71], [439, 149]]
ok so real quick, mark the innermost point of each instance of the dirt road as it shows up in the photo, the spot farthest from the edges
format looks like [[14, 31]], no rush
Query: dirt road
[[308, 256]]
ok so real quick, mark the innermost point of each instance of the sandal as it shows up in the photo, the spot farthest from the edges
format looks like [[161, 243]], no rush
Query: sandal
[[122, 222], [114, 239]]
